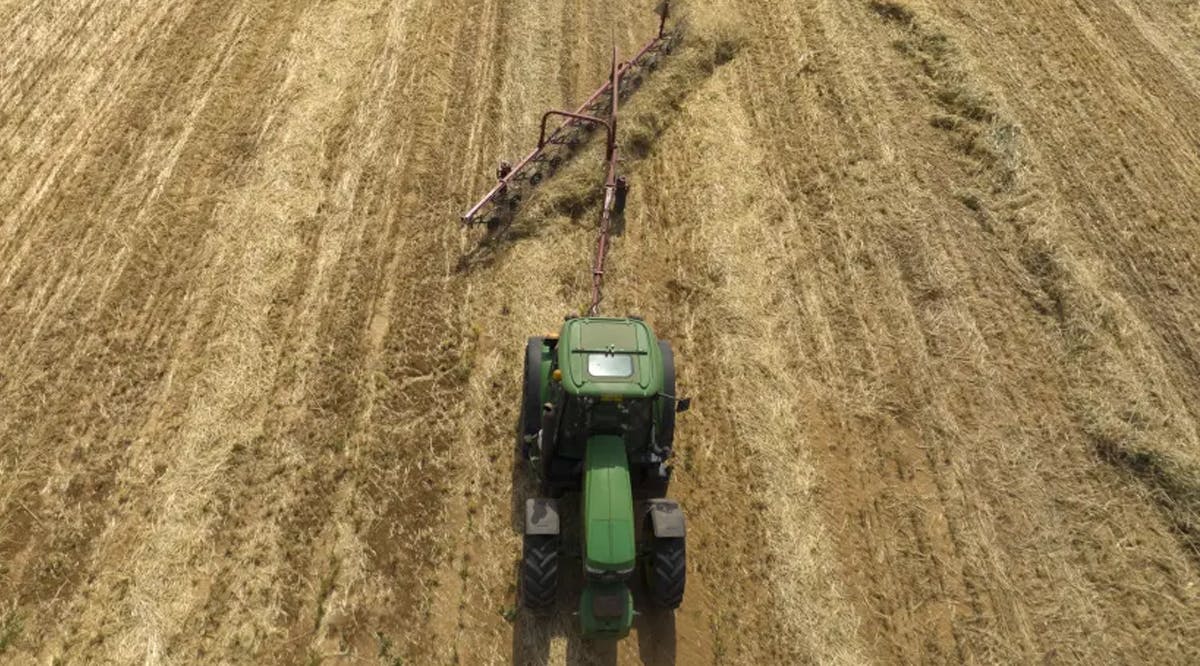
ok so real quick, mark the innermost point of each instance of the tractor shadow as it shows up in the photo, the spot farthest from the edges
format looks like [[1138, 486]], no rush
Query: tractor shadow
[[655, 631], [653, 627], [539, 635]]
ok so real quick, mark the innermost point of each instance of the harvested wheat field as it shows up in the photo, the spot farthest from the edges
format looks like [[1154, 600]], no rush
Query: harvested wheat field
[[929, 268]]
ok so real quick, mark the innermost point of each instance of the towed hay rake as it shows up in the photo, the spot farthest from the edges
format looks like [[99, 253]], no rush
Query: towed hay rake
[[554, 149], [598, 403]]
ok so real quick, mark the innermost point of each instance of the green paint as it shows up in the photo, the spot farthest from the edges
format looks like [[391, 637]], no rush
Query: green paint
[[629, 338], [608, 506], [607, 404], [602, 628]]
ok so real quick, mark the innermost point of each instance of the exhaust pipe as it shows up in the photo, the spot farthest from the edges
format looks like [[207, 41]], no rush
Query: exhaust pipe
[[547, 438]]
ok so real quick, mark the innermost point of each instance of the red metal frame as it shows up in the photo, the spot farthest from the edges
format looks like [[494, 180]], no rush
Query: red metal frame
[[573, 119], [574, 116], [610, 191]]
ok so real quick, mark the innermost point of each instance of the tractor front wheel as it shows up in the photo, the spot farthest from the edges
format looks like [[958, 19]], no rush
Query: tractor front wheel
[[666, 571], [539, 571]]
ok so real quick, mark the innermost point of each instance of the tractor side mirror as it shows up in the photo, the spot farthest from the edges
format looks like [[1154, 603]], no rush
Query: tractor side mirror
[[682, 405]]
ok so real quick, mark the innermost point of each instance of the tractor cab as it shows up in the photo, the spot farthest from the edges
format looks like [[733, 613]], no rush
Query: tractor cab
[[611, 378], [609, 359], [601, 376]]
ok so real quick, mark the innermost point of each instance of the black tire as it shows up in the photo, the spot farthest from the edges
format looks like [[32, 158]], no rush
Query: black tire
[[666, 571], [666, 422], [531, 393], [539, 571]]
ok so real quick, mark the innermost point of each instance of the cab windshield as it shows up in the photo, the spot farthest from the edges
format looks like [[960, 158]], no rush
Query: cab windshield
[[607, 366]]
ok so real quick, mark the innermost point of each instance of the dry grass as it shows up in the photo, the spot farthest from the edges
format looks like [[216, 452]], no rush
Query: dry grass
[[10, 629], [1132, 422], [966, 108], [655, 107], [928, 268]]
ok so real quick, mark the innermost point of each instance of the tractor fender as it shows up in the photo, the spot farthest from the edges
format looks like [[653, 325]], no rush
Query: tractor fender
[[541, 517], [666, 518]]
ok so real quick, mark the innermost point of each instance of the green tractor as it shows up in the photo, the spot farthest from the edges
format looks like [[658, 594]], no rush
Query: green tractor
[[598, 419]]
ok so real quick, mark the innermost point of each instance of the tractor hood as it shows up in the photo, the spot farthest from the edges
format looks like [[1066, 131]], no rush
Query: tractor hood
[[608, 507], [609, 358]]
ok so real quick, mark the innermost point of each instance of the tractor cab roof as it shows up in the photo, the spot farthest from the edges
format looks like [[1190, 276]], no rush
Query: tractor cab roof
[[609, 358]]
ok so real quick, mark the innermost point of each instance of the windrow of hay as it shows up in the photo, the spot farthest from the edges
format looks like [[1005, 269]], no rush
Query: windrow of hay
[[649, 111], [968, 109], [705, 257], [1135, 418], [725, 252]]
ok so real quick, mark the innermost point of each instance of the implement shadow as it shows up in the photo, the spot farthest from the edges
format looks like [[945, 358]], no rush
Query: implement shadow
[[500, 234]]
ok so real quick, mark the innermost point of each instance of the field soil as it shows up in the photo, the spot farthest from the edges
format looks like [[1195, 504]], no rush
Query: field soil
[[929, 268]]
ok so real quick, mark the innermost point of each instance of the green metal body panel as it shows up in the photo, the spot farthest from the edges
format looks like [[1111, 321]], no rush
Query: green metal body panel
[[596, 336], [608, 507], [607, 404], [614, 626], [588, 405]]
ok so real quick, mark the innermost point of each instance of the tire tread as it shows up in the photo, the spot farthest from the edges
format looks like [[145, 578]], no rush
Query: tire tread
[[539, 571], [668, 572]]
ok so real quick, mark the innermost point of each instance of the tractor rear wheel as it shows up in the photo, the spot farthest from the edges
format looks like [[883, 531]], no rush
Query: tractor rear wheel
[[539, 570], [531, 394], [666, 571]]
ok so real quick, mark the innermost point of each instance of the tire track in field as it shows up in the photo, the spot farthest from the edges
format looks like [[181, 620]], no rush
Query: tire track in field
[[421, 342], [50, 104], [371, 403], [110, 181], [113, 199], [29, 371], [253, 251], [328, 494], [897, 494], [758, 547], [105, 386], [472, 577], [939, 507]]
